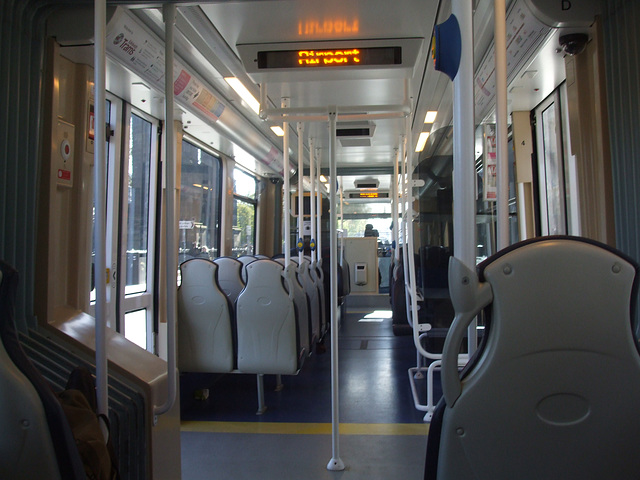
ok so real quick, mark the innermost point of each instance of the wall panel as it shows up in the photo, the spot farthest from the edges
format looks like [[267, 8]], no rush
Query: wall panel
[[621, 19]]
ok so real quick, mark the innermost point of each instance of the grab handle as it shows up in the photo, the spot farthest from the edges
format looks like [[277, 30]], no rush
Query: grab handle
[[468, 296]]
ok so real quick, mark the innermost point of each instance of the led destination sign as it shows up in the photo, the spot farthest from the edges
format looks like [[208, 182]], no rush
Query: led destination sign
[[369, 195], [351, 57]]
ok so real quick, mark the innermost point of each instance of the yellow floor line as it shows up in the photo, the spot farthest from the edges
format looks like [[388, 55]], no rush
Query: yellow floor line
[[306, 428]]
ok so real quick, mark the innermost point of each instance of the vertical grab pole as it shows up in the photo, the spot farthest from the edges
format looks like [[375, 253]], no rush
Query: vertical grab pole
[[336, 462], [169, 13], [312, 202], [501, 124], [464, 187], [413, 283], [401, 199], [319, 209], [394, 208], [407, 256], [286, 187], [99, 175], [300, 130], [341, 226]]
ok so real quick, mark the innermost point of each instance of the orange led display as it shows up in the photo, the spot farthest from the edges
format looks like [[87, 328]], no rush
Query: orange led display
[[337, 57], [328, 57], [368, 194]]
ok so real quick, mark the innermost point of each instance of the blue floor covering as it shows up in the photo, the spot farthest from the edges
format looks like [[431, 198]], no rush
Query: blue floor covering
[[373, 389]]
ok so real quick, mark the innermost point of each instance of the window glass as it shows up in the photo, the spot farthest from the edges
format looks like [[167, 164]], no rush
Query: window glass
[[92, 293], [200, 200], [244, 184], [135, 326], [244, 219], [549, 153], [138, 176], [368, 209], [486, 207], [244, 213], [554, 180]]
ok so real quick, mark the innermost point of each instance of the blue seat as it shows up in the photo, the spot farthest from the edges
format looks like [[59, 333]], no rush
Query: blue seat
[[553, 391]]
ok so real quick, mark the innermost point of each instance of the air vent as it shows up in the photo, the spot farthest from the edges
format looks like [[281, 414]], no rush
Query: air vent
[[355, 129], [354, 132], [366, 183]]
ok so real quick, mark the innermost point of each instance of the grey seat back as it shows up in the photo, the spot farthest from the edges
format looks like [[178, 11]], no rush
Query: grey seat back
[[318, 279], [245, 260], [554, 392], [205, 329], [230, 277], [36, 440], [301, 302], [268, 337], [313, 300]]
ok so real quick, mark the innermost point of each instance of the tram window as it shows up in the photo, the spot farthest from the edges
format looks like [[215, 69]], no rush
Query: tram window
[[200, 200], [244, 213], [486, 208], [369, 219]]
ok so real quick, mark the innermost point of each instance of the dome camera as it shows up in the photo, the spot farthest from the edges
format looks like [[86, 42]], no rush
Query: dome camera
[[574, 43]]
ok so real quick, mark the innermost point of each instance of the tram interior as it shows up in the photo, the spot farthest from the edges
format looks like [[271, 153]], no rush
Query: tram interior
[[311, 196]]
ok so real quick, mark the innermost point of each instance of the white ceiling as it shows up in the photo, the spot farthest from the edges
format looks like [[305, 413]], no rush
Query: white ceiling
[[210, 37], [287, 21]]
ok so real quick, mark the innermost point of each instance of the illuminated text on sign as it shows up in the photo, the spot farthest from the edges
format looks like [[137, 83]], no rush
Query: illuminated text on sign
[[328, 57]]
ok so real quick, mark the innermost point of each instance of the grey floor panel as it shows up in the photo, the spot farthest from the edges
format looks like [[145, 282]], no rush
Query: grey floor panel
[[231, 456]]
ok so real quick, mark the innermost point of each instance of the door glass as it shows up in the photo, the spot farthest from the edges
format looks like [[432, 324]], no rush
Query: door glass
[[138, 177], [244, 184], [554, 178], [135, 324], [92, 293], [551, 176]]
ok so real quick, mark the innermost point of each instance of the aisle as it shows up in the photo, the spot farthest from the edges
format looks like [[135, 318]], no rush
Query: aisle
[[381, 435]]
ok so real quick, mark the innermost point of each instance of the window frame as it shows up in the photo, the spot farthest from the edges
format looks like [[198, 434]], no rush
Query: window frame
[[219, 185]]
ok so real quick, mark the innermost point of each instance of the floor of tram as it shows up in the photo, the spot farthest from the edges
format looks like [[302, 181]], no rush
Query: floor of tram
[[382, 435]]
